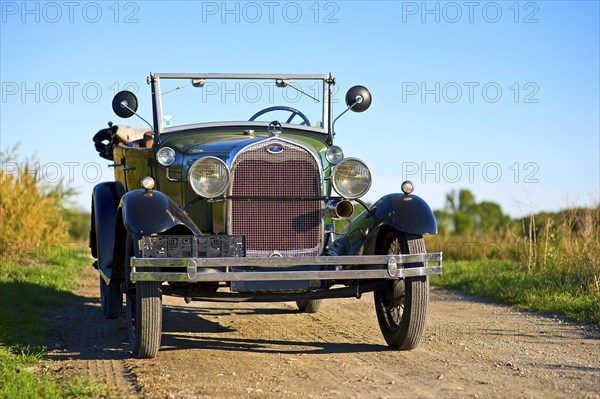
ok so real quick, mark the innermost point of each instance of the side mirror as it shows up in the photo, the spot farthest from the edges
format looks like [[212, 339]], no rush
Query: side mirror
[[358, 98], [125, 104]]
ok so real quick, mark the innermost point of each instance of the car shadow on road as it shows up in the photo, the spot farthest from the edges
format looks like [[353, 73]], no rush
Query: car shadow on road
[[171, 342], [226, 311], [189, 320], [79, 331], [189, 328]]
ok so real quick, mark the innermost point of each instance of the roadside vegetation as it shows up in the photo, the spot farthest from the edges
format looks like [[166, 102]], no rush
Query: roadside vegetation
[[38, 270], [549, 262]]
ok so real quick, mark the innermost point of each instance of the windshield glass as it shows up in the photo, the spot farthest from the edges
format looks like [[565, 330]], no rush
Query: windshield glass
[[191, 101]]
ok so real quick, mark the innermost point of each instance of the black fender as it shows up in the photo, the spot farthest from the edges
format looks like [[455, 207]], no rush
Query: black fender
[[152, 212], [105, 202], [144, 212], [406, 213]]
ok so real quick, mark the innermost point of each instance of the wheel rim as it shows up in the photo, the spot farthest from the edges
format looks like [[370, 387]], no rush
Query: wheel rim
[[392, 299]]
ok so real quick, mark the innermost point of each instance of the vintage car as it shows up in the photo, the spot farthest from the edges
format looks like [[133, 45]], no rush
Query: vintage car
[[236, 192]]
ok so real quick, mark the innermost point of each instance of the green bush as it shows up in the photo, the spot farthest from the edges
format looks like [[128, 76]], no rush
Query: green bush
[[78, 223]]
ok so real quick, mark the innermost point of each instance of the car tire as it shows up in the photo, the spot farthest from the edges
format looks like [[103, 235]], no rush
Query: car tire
[[111, 299], [401, 307], [144, 309], [309, 305]]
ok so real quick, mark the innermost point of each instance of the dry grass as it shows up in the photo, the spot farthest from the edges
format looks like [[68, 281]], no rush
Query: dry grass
[[563, 247], [504, 245], [30, 209], [568, 250]]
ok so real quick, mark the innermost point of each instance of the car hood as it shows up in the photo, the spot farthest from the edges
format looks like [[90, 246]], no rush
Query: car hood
[[225, 145]]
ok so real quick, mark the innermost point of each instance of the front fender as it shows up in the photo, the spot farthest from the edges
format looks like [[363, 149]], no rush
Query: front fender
[[406, 213], [149, 211]]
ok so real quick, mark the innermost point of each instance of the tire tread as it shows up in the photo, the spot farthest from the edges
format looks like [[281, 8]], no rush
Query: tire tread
[[412, 323], [309, 305]]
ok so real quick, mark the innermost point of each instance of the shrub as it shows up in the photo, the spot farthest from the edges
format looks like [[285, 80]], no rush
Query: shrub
[[30, 209]]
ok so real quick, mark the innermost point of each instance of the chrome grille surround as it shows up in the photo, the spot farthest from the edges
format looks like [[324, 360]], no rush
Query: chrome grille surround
[[277, 227]]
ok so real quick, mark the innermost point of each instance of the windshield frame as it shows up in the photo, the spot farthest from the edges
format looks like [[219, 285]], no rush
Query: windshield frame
[[155, 78]]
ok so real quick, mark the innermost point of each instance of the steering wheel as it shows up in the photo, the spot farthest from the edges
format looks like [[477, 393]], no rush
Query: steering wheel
[[294, 112]]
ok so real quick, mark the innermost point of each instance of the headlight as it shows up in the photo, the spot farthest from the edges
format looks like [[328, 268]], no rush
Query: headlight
[[209, 177], [351, 178], [334, 155], [166, 156]]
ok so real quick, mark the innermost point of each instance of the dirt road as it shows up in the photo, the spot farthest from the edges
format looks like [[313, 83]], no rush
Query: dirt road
[[470, 349]]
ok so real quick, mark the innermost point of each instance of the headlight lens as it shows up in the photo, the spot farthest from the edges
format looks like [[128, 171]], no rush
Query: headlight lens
[[166, 156], [334, 155], [209, 177], [351, 178]]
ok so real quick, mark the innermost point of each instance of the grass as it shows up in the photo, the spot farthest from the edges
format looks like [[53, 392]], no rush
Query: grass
[[548, 291], [27, 292], [548, 263]]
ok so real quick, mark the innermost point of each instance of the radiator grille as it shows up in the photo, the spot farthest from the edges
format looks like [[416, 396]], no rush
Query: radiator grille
[[276, 168]]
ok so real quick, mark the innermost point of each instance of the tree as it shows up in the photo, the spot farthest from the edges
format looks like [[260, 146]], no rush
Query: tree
[[490, 217], [462, 215], [459, 206]]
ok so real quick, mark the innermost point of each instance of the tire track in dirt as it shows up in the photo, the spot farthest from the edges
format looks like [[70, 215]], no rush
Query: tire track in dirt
[[86, 344]]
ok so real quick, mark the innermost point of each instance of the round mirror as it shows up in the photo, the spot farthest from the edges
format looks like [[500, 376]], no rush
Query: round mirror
[[358, 98], [125, 104]]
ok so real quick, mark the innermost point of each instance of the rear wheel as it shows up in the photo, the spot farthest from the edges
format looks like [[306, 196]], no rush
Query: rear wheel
[[309, 305], [144, 308], [111, 299], [402, 306]]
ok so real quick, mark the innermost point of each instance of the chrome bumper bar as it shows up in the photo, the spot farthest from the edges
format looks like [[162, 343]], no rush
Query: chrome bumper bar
[[346, 268]]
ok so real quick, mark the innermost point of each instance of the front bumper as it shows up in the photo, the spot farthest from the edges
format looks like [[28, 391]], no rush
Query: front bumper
[[335, 268]]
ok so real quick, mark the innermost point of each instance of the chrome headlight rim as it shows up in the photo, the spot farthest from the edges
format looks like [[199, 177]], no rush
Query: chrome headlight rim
[[351, 196], [170, 158], [197, 164], [334, 155]]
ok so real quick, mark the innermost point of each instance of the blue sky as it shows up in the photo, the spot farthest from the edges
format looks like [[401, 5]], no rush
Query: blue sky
[[501, 98]]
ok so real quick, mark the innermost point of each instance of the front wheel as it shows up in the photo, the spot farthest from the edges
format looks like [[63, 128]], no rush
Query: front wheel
[[402, 306], [309, 305], [144, 309]]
